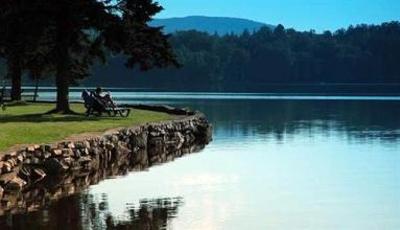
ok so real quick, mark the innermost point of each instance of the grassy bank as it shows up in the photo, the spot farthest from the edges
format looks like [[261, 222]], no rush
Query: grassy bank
[[26, 124]]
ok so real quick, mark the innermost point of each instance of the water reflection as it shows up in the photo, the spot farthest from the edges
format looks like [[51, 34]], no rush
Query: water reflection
[[352, 117], [65, 195], [274, 164], [85, 211], [283, 120]]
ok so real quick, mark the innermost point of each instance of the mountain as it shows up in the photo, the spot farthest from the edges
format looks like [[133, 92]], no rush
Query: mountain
[[220, 25]]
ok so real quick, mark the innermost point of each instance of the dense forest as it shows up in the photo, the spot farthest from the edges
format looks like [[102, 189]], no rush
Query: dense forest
[[359, 54], [269, 59]]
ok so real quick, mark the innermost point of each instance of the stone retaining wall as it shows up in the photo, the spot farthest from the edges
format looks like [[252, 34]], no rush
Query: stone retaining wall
[[87, 161]]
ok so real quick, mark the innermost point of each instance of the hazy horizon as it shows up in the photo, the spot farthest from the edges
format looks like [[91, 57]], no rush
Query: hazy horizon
[[319, 15], [267, 23]]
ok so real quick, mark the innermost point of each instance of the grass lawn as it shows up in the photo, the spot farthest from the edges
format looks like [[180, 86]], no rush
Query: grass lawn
[[26, 124]]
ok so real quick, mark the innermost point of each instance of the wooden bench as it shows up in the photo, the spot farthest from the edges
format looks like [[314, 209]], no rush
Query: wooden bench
[[96, 106], [123, 112]]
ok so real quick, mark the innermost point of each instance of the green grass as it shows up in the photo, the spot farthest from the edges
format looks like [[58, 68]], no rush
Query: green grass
[[27, 124]]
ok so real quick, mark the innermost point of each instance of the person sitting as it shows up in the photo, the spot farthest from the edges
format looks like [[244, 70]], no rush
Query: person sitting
[[98, 102], [104, 97]]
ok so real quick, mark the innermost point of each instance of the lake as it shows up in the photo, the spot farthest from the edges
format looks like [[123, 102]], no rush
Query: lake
[[276, 162]]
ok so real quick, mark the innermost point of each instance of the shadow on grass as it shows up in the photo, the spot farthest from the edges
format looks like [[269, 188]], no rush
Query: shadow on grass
[[48, 118]]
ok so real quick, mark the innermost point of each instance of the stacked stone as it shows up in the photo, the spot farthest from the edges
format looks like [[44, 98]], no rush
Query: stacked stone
[[72, 182], [81, 163]]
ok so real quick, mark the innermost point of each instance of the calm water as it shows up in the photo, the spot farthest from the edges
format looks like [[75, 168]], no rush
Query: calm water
[[275, 163]]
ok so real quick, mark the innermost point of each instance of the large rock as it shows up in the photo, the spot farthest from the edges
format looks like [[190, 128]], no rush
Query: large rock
[[25, 173], [7, 167], [139, 140], [156, 141], [7, 177], [55, 166], [37, 174], [20, 158], [15, 184], [82, 144], [66, 152], [35, 160], [56, 152], [30, 149], [179, 137]]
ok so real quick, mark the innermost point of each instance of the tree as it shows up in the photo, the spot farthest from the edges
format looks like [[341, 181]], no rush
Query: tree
[[81, 31], [20, 34], [75, 34], [12, 42], [359, 54]]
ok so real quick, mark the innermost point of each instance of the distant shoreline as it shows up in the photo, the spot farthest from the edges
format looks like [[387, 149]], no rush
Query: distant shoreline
[[335, 90]]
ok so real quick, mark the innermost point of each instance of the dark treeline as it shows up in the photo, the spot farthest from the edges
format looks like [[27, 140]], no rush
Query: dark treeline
[[63, 39], [359, 54]]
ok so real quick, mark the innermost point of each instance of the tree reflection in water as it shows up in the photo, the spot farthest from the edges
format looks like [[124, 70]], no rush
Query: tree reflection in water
[[83, 211], [355, 120], [64, 203]]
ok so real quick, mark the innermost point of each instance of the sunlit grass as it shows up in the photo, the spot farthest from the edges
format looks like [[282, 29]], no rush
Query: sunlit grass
[[27, 124]]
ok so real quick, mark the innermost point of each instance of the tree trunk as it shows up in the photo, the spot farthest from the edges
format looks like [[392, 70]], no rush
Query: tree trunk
[[63, 80], [62, 83], [35, 94], [15, 74], [63, 73]]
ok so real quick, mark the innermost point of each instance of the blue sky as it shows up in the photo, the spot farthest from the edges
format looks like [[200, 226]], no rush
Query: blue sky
[[299, 14]]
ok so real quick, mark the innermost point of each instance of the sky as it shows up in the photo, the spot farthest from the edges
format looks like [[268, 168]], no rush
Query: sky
[[320, 15]]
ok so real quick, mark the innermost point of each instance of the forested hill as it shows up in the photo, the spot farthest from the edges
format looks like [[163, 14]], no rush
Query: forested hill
[[364, 54], [211, 25]]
